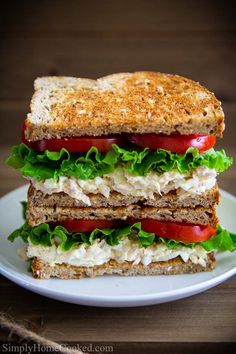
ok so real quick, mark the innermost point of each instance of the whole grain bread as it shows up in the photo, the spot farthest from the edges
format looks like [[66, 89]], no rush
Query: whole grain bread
[[173, 199], [39, 214], [140, 102], [42, 270]]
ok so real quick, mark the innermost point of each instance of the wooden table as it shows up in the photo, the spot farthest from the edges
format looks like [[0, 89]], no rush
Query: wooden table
[[196, 39]]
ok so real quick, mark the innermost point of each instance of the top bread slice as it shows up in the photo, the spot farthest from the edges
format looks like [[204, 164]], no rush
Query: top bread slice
[[140, 102]]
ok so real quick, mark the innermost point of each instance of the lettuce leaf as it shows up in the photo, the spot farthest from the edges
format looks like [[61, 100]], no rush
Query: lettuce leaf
[[51, 164], [222, 241], [44, 235]]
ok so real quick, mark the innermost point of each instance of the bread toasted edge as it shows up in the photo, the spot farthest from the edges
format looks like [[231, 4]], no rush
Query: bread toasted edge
[[43, 270]]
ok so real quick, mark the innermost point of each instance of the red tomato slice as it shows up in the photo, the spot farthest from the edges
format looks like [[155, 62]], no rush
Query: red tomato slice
[[90, 225], [103, 144], [175, 143], [177, 231], [75, 144]]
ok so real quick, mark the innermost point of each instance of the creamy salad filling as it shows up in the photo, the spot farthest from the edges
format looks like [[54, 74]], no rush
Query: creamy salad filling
[[127, 250], [196, 182]]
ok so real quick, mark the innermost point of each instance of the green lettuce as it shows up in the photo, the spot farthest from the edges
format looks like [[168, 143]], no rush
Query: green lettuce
[[141, 163], [44, 235], [51, 164], [222, 241]]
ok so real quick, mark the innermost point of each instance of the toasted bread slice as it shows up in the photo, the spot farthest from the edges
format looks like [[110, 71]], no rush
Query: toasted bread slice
[[140, 102], [173, 199], [201, 216], [43, 270]]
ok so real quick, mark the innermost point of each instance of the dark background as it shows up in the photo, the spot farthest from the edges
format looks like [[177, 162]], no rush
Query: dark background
[[92, 39], [95, 38]]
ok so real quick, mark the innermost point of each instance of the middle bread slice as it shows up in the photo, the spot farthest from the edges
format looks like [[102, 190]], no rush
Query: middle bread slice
[[194, 209], [173, 199]]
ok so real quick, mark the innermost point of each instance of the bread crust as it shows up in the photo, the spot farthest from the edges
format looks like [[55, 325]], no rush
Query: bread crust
[[140, 102], [43, 270], [173, 199]]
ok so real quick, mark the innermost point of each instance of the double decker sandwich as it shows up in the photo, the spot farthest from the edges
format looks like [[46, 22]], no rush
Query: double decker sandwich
[[122, 175]]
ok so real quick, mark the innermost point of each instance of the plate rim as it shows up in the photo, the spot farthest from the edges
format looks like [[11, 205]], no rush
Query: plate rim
[[189, 290]]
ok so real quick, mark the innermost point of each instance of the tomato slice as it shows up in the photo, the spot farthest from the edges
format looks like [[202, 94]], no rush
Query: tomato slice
[[103, 144], [82, 225], [75, 144], [177, 231], [175, 143]]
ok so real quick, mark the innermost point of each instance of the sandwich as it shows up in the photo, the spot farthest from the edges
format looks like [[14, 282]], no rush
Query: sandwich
[[122, 176]]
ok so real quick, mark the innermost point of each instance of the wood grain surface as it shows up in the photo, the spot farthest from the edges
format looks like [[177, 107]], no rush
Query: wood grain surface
[[92, 39]]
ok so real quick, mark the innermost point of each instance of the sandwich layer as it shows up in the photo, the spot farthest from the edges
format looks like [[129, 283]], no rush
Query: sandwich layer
[[192, 183], [43, 270], [128, 249], [140, 102], [201, 216], [172, 199]]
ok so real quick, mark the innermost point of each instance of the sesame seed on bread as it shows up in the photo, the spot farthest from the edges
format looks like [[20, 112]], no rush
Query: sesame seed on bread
[[140, 102]]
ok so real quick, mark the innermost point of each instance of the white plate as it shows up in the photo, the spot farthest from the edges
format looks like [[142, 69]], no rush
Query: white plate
[[110, 291]]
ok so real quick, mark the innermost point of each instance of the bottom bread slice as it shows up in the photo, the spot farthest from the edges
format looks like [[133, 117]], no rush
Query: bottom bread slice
[[43, 270]]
